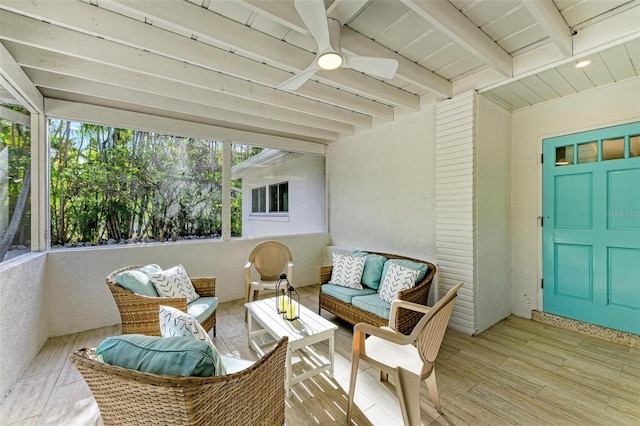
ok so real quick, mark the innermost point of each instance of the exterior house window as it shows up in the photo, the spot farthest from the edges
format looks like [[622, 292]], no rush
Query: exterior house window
[[259, 200], [279, 197]]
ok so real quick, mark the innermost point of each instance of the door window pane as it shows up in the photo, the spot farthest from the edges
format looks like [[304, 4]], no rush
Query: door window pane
[[634, 146], [587, 152], [564, 155], [612, 149]]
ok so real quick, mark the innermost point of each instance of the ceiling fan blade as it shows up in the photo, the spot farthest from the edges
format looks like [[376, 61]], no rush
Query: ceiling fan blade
[[380, 67], [314, 16], [299, 79]]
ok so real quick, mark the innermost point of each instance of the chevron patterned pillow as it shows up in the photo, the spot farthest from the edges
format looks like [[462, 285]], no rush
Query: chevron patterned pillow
[[174, 282], [174, 322], [347, 271], [398, 278]]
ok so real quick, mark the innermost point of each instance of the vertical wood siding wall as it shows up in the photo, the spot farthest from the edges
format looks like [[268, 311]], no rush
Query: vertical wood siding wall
[[456, 205]]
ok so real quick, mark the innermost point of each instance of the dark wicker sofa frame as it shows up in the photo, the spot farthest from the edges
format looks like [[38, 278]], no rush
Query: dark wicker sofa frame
[[139, 314], [405, 319]]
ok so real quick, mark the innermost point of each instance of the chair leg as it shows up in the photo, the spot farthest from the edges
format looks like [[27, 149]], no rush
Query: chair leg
[[408, 391], [355, 359], [247, 300], [432, 386], [214, 331], [384, 376]]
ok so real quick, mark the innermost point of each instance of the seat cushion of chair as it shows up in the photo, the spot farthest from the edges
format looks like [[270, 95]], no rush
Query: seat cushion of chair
[[373, 304], [344, 294], [234, 365], [202, 308], [264, 284], [393, 355]]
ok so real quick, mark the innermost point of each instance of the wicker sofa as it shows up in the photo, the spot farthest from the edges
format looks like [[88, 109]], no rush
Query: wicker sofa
[[405, 319]]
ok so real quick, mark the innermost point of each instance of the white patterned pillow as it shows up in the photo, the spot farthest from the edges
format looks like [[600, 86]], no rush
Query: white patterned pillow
[[174, 282], [174, 322], [398, 278], [347, 271]]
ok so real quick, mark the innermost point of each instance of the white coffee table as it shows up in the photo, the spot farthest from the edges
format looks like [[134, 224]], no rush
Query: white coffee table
[[303, 332]]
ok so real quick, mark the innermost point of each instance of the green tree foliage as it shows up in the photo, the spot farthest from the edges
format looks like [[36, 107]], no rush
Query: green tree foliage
[[110, 184]]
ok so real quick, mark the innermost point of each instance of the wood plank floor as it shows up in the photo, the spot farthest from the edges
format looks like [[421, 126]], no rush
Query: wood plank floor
[[518, 372]]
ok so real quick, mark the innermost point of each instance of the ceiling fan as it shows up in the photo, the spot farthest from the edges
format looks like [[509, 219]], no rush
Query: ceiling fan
[[326, 32]]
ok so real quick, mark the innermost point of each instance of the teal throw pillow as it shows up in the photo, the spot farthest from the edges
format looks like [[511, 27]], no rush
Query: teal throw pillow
[[138, 282], [171, 356], [420, 267], [373, 266]]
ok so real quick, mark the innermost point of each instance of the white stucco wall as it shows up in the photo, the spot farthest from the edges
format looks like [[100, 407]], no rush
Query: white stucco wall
[[307, 197], [23, 316], [493, 186], [381, 188], [606, 106], [78, 298]]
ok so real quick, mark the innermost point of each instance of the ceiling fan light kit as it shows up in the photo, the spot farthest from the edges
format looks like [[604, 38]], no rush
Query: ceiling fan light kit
[[330, 61], [326, 32]]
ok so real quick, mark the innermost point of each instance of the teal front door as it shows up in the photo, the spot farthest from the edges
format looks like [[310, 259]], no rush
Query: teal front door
[[591, 226]]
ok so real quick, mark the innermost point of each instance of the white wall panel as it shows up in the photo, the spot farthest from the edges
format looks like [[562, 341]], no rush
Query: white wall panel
[[456, 205]]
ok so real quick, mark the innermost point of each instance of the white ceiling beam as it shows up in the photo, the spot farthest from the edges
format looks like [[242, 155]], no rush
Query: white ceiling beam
[[114, 117], [61, 64], [444, 16], [143, 98], [231, 35], [18, 84], [56, 39], [610, 32], [407, 70], [284, 13], [15, 116], [85, 18], [345, 10], [607, 33], [549, 18]]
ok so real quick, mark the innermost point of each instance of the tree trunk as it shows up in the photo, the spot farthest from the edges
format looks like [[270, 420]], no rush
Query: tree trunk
[[17, 214]]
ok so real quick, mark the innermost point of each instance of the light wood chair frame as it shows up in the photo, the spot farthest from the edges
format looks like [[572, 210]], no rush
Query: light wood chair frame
[[425, 339], [256, 286]]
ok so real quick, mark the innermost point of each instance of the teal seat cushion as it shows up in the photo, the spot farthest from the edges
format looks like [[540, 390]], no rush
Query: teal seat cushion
[[373, 304], [420, 267], [202, 308], [343, 293], [137, 281], [171, 356], [373, 266]]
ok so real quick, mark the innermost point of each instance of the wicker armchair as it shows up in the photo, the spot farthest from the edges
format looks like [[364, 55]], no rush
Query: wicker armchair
[[139, 314], [253, 396], [406, 319]]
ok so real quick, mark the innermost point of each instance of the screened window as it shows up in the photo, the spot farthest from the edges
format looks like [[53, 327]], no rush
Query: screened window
[[15, 182], [122, 186]]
